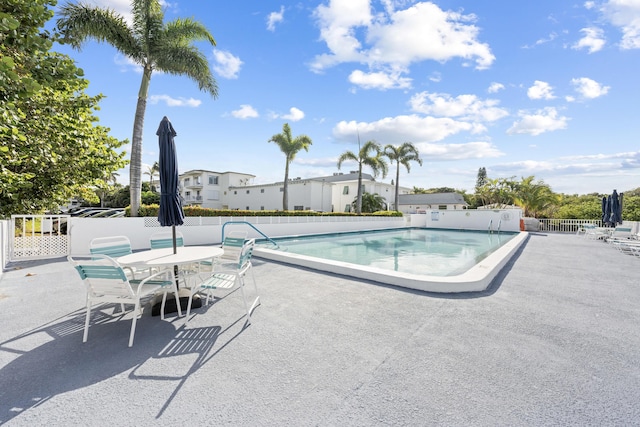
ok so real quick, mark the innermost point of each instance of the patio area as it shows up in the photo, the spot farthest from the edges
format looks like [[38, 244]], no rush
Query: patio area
[[553, 341]]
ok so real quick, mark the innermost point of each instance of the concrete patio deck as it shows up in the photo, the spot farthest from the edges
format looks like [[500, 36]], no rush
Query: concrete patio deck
[[554, 341]]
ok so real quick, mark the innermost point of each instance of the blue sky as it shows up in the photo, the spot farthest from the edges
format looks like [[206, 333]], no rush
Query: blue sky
[[546, 88]]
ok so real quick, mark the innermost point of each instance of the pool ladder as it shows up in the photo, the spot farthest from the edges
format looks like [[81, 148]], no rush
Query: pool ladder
[[250, 225], [490, 229]]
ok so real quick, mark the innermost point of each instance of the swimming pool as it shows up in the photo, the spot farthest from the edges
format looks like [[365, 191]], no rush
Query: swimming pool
[[426, 259]]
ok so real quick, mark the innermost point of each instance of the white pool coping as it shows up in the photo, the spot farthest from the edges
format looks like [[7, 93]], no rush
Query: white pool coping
[[476, 279]]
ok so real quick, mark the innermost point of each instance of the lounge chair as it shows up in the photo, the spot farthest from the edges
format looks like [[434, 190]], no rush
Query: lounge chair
[[621, 232], [106, 282], [229, 277]]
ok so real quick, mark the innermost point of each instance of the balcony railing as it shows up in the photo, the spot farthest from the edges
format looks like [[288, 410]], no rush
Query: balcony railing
[[193, 199]]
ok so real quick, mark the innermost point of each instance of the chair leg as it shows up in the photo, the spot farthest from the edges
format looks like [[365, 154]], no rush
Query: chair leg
[[191, 292], [244, 299], [133, 322], [86, 322], [164, 301]]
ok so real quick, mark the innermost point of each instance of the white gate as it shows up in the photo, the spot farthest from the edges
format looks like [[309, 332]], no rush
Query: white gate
[[39, 236]]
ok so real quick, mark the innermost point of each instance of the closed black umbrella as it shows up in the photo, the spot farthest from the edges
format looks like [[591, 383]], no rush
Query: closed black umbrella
[[170, 212], [616, 211], [604, 210]]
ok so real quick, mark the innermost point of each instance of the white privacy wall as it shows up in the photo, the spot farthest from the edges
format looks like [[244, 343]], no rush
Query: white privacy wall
[[472, 219]]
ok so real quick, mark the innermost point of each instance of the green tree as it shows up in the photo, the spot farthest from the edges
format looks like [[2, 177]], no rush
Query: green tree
[[369, 155], [498, 192], [152, 44], [152, 171], [402, 155], [481, 180], [50, 146], [370, 202], [534, 197], [290, 147]]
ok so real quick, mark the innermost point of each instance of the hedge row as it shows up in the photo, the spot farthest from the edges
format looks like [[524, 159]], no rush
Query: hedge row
[[152, 211]]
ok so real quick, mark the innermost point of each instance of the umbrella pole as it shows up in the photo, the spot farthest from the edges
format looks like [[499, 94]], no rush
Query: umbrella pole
[[175, 250]]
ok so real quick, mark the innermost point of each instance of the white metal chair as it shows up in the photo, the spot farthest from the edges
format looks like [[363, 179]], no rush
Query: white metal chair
[[232, 247], [229, 278], [114, 247], [164, 239], [106, 282]]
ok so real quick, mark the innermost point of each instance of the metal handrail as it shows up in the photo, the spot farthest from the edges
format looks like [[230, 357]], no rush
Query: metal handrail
[[250, 225]]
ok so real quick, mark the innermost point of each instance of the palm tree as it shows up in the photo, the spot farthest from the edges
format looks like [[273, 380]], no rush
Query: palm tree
[[402, 155], [290, 147], [369, 155], [152, 171], [534, 197], [370, 202], [152, 44]]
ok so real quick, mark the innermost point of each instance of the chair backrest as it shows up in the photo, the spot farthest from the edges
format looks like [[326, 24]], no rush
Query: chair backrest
[[164, 239], [621, 231], [113, 246], [232, 246], [102, 275], [246, 253]]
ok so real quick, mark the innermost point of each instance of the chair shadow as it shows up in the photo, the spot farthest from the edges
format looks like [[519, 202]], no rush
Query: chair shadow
[[198, 340], [52, 359]]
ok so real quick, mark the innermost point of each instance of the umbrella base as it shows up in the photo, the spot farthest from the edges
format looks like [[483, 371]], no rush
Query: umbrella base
[[170, 305]]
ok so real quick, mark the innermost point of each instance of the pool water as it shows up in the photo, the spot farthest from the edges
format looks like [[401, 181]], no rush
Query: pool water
[[428, 252]]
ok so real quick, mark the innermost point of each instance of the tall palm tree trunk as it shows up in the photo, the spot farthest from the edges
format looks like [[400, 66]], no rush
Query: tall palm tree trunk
[[285, 189], [397, 198], [135, 167], [359, 194]]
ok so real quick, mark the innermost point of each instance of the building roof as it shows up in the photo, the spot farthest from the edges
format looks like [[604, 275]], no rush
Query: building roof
[[339, 177], [432, 199]]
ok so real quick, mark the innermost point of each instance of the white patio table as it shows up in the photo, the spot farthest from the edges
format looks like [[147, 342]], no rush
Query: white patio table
[[165, 258]]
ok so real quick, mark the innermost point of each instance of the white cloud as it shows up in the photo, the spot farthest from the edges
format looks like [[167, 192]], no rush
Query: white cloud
[[227, 65], [593, 40], [275, 18], [589, 88], [175, 102], [545, 120], [464, 107], [495, 87], [540, 90], [625, 14], [470, 150], [394, 39], [379, 80], [245, 112], [295, 114], [402, 128]]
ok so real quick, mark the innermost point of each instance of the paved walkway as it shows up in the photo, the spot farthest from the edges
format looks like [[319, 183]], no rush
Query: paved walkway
[[555, 341]]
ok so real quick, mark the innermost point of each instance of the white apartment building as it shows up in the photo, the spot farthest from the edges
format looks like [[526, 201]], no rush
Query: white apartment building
[[209, 188], [232, 190]]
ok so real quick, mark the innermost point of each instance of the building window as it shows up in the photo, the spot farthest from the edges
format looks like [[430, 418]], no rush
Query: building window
[[261, 208], [282, 189], [187, 181], [196, 181], [345, 190], [442, 207], [235, 191], [215, 195], [298, 208], [247, 191], [262, 190], [213, 180], [347, 208], [247, 208]]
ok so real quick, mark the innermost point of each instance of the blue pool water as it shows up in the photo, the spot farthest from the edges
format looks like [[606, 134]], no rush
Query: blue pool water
[[428, 252]]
